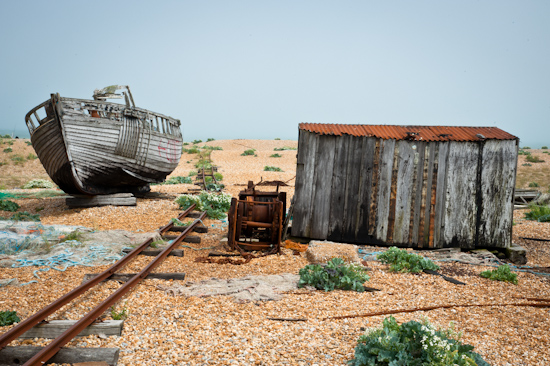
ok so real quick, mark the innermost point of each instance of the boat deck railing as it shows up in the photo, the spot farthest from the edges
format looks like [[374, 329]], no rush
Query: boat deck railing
[[153, 121]]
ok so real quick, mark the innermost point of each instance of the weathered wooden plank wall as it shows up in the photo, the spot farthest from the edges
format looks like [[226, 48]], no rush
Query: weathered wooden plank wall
[[405, 193], [460, 209], [384, 188], [338, 188], [304, 190], [323, 184], [499, 159]]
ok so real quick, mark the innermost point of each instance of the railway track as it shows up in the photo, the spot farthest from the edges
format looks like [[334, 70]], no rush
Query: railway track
[[51, 349]]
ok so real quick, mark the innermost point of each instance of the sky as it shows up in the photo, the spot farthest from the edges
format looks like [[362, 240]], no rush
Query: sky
[[256, 69]]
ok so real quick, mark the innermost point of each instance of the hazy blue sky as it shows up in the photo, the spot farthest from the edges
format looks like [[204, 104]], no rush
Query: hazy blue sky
[[255, 69]]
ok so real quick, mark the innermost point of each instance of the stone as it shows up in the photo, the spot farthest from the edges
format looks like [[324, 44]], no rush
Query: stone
[[319, 252], [516, 254]]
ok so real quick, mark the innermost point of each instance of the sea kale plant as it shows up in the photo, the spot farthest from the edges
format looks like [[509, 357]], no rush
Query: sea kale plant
[[413, 344], [215, 204], [402, 261], [334, 275], [502, 273], [7, 205], [8, 318], [38, 183], [538, 213]]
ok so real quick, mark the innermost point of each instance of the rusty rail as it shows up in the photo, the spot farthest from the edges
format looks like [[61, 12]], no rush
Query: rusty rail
[[51, 349], [41, 315]]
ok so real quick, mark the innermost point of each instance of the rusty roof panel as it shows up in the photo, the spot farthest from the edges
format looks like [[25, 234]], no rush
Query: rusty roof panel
[[414, 133]]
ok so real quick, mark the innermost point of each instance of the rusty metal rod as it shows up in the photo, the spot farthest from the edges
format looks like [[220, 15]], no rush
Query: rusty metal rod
[[35, 319], [388, 312], [51, 349]]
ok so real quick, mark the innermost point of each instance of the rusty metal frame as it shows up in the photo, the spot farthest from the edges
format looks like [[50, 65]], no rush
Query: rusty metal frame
[[41, 315], [234, 241]]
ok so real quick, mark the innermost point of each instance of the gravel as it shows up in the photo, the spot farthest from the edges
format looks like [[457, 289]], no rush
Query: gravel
[[167, 329]]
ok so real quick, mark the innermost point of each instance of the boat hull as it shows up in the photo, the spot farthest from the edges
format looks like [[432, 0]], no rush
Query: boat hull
[[96, 147]]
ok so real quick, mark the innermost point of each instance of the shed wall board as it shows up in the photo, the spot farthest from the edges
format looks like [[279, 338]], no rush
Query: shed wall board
[[384, 188], [301, 223], [320, 209], [339, 173], [404, 188], [351, 204], [365, 187], [419, 168], [440, 194], [460, 206], [497, 193]]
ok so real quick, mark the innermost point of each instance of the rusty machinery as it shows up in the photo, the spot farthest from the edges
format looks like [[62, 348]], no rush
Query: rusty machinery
[[256, 220]]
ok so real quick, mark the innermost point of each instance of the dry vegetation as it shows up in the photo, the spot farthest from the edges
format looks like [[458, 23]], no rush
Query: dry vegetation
[[538, 173], [163, 329], [20, 165]]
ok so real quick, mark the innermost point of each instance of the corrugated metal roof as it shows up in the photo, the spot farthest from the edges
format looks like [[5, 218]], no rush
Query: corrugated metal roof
[[415, 133]]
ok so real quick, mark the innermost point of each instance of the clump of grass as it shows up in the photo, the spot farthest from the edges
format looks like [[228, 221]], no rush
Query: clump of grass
[[18, 159], [526, 148], [218, 176], [544, 148], [38, 183], [10, 206], [533, 184], [8, 318], [185, 144], [502, 273], [272, 169], [156, 243], [285, 148], [74, 235], [275, 155], [24, 216], [526, 164], [334, 275], [192, 173], [179, 223], [195, 142], [210, 139], [533, 159], [120, 314], [249, 152], [9, 142], [28, 143], [31, 156], [402, 261], [8, 150], [212, 147], [538, 213], [215, 204], [178, 180], [277, 138], [523, 152], [192, 150]]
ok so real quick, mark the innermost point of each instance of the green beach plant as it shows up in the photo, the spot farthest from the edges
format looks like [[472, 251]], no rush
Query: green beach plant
[[402, 261]]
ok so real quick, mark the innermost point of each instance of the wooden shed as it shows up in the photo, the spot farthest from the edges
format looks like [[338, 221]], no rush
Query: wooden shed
[[408, 186]]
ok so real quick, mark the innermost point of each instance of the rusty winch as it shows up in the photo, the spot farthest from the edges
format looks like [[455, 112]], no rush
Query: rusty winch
[[256, 220]]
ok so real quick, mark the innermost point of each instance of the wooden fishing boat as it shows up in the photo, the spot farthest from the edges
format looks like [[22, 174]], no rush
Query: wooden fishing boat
[[97, 147]]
